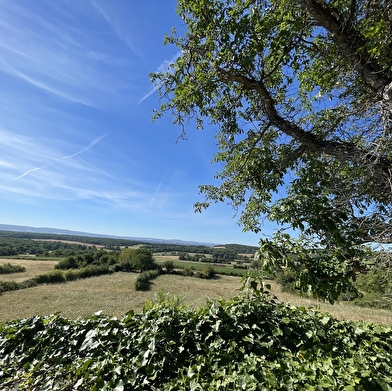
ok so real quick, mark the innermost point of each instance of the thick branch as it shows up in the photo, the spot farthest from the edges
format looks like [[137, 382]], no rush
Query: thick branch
[[351, 45], [375, 164]]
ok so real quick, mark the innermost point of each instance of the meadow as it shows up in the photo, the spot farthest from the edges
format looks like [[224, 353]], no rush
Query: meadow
[[100, 333], [115, 295]]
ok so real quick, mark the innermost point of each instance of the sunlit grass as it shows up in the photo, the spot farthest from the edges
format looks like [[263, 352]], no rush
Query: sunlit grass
[[341, 310], [33, 268], [115, 295]]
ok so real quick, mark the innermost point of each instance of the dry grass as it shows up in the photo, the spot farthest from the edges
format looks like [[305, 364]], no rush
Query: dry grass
[[33, 268], [115, 295], [340, 310]]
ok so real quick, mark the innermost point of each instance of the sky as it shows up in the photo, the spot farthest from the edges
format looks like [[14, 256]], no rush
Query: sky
[[78, 148]]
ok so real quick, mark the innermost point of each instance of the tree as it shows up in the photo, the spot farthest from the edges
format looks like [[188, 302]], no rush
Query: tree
[[300, 92], [133, 259]]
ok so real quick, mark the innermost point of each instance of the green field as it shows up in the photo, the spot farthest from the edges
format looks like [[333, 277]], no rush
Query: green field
[[219, 268]]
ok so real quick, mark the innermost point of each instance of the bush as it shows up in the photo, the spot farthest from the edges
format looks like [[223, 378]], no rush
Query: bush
[[7, 268], [42, 278], [143, 283], [7, 286], [248, 342], [68, 263], [376, 289], [132, 259], [188, 271], [28, 283], [168, 265], [56, 276], [207, 272], [375, 281], [71, 275], [286, 279]]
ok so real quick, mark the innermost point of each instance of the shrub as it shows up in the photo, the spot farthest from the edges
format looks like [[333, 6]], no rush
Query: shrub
[[376, 289], [168, 265], [28, 283], [7, 286], [375, 281], [7, 268], [207, 272], [56, 276], [42, 278], [248, 342], [286, 279], [142, 283], [137, 259], [71, 275], [188, 271], [68, 263]]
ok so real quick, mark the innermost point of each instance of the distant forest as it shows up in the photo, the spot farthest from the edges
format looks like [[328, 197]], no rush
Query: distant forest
[[13, 243]]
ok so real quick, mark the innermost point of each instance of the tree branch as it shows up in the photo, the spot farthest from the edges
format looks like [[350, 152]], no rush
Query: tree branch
[[375, 165], [351, 45]]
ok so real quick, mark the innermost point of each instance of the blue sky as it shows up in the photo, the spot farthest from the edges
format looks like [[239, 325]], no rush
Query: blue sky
[[78, 148]]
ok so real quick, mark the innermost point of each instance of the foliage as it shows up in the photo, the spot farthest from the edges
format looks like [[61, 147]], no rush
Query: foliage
[[188, 271], [301, 95], [168, 265], [8, 268], [53, 277], [208, 272], [376, 289], [137, 259], [47, 239], [89, 257], [6, 286], [199, 249], [143, 281], [56, 276], [249, 343]]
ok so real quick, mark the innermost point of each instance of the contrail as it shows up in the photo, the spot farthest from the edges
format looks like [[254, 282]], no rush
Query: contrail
[[27, 172], [97, 140], [105, 173], [159, 186], [147, 95]]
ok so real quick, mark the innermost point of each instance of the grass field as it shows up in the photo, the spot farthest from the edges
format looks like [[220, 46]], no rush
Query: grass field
[[115, 295], [33, 267]]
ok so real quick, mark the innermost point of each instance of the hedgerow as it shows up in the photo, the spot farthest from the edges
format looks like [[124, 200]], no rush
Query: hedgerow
[[143, 281], [56, 276], [8, 268], [247, 343]]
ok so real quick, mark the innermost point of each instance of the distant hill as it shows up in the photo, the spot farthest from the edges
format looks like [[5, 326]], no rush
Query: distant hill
[[56, 231]]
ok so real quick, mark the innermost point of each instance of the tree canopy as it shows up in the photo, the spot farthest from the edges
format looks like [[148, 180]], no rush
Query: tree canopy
[[300, 93], [137, 259]]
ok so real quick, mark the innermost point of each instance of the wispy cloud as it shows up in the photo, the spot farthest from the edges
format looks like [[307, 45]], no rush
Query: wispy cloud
[[114, 24], [95, 141], [65, 177], [63, 93], [60, 57], [148, 94], [106, 174]]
